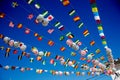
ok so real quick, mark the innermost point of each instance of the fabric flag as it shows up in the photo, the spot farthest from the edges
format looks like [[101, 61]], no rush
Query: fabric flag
[[80, 25], [30, 1], [57, 57], [27, 31], [57, 24], [92, 42], [61, 28], [70, 35], [37, 6], [61, 38], [94, 9], [50, 31], [40, 38], [65, 2], [45, 13], [73, 54], [31, 60], [15, 51], [77, 73], [50, 43], [62, 49], [50, 17], [39, 58], [2, 15], [39, 71], [86, 33], [1, 48], [30, 16], [92, 1], [76, 18], [97, 51], [1, 36], [19, 25], [14, 4], [52, 61], [47, 54], [72, 12], [13, 67], [36, 34], [19, 57], [11, 24]]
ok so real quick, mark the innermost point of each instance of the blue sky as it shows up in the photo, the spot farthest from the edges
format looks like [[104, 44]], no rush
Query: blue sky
[[109, 11]]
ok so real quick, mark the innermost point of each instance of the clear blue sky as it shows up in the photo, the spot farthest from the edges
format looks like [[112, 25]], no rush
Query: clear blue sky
[[109, 11]]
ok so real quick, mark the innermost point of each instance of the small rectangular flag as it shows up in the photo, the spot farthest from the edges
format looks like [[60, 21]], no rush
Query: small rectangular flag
[[57, 24], [61, 28], [92, 42], [72, 12], [62, 48], [92, 1], [86, 33], [80, 25], [11, 24], [50, 18], [66, 2], [94, 9], [50, 31], [30, 1], [97, 17], [37, 6], [50, 43], [2, 15], [76, 18], [19, 25], [30, 16]]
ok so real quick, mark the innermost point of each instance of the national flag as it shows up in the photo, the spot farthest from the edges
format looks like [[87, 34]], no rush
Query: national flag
[[72, 12], [61, 28], [73, 54], [94, 9], [86, 33], [50, 31], [57, 57], [57, 24], [62, 48], [30, 16], [11, 24], [61, 38], [47, 54], [70, 35], [66, 2], [2, 15], [52, 61], [45, 13], [92, 42], [19, 25], [13, 67], [19, 57], [39, 58], [15, 51], [97, 51], [50, 43], [40, 38], [30, 1], [92, 1], [14, 4], [76, 18], [27, 31], [37, 6], [80, 25], [36, 34], [77, 73], [50, 17], [1, 36]]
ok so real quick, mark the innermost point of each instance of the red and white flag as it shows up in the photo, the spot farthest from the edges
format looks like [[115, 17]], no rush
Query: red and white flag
[[50, 17], [30, 16], [50, 31], [11, 24]]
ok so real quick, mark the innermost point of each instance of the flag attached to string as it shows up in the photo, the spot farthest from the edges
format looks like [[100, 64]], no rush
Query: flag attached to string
[[65, 2], [50, 31], [19, 25], [27, 31], [62, 48], [72, 12], [50, 43], [37, 6], [30, 1], [50, 17], [11, 24], [40, 38], [80, 25], [76, 18], [92, 42], [14, 4], [70, 35], [2, 15], [61, 28], [57, 24], [30, 16], [86, 33]]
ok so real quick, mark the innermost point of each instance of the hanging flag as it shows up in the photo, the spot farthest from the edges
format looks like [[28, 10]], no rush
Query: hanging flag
[[45, 13], [43, 62], [50, 43], [23, 53], [2, 15], [50, 17], [92, 42], [40, 38], [36, 34], [13, 67], [57, 24], [76, 18], [7, 52], [94, 9], [70, 35], [78, 73], [57, 57], [61, 38], [1, 36], [19, 57], [15, 51], [19, 25], [30, 16], [72, 12], [27, 31], [97, 51], [30, 1], [39, 58], [39, 71], [11, 24], [65, 2], [86, 33], [1, 47], [37, 6], [31, 60], [61, 28], [92, 1], [50, 31], [47, 54], [80, 25], [52, 61], [73, 54], [62, 48], [14, 4]]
